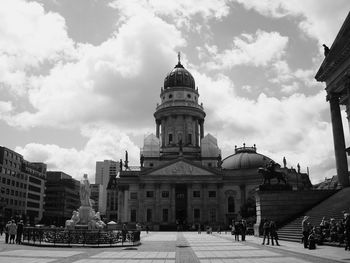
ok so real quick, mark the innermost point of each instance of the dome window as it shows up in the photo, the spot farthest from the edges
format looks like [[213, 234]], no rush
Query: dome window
[[189, 96], [170, 96]]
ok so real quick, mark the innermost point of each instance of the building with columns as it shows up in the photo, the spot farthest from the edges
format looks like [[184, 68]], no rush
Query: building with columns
[[182, 179], [335, 72]]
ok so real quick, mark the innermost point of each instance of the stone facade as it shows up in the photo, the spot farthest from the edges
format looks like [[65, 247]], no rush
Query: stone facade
[[335, 72], [182, 180]]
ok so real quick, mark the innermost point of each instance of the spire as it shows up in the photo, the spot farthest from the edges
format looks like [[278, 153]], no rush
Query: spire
[[179, 60]]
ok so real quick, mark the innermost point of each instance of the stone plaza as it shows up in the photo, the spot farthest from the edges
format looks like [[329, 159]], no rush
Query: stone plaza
[[171, 247]]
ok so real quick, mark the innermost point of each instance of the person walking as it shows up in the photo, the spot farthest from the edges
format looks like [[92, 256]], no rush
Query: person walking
[[7, 235], [19, 232], [237, 230], [12, 231], [347, 231], [266, 232], [273, 233], [305, 230], [243, 229], [1, 229]]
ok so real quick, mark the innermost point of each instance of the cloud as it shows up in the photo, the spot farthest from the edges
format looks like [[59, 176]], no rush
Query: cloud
[[29, 39], [318, 19], [99, 82], [104, 143], [255, 50], [292, 126], [182, 12]]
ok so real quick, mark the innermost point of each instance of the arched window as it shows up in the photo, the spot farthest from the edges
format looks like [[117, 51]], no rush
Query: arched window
[[231, 204]]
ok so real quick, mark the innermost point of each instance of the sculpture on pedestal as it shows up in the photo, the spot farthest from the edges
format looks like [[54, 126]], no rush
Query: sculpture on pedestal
[[269, 173]]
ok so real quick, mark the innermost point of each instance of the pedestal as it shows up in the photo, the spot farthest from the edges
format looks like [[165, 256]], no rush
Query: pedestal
[[85, 214]]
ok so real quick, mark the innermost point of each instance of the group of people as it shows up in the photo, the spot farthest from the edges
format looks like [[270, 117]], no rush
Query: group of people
[[270, 232], [330, 231], [239, 228], [13, 232]]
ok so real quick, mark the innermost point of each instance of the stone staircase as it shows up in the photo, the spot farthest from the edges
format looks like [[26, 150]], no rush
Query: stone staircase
[[332, 207]]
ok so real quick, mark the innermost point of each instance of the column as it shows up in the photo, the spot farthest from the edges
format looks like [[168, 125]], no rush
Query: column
[[204, 206], [157, 128], [162, 126], [172, 203], [196, 135], [126, 199], [141, 209], [189, 204], [339, 141], [201, 125], [120, 204], [158, 208], [220, 203]]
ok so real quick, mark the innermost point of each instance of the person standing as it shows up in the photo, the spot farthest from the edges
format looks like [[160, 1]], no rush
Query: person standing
[[7, 235], [243, 229], [347, 231], [237, 230], [305, 230], [19, 232], [1, 229], [266, 232], [12, 231], [273, 233]]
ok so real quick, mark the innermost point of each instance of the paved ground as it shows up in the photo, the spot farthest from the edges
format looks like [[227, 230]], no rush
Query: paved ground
[[177, 247]]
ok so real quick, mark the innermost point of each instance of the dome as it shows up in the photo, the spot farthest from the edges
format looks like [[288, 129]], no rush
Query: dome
[[245, 158], [179, 77]]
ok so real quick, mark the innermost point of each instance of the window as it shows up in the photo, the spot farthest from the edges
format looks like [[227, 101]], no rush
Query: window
[[189, 138], [133, 215], [165, 215], [165, 194], [196, 194], [170, 138], [231, 204], [149, 194], [196, 214], [189, 96], [133, 195], [170, 96], [212, 215], [149, 215], [212, 194]]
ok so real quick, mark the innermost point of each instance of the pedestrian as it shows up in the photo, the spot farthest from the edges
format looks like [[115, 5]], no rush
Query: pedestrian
[[199, 229], [347, 231], [1, 229], [305, 230], [19, 232], [266, 232], [12, 231], [147, 229], [273, 233], [243, 229], [312, 240], [7, 235], [237, 230], [124, 232]]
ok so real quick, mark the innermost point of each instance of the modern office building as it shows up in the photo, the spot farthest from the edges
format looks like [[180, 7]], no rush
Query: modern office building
[[61, 197]]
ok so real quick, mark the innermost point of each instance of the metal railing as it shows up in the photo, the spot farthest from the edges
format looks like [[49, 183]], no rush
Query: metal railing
[[65, 237]]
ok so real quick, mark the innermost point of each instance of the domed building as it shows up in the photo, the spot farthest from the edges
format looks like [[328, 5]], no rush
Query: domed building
[[182, 179]]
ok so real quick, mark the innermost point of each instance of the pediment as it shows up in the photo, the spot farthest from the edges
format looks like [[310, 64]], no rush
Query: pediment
[[181, 168]]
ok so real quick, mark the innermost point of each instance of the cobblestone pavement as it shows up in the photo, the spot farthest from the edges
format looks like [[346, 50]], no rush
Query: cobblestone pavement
[[174, 247]]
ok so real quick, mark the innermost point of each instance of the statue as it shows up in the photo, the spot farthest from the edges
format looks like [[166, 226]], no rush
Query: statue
[[70, 223], [126, 162], [85, 191], [269, 173], [96, 222], [120, 165], [219, 158], [326, 50], [298, 167], [180, 145], [142, 159], [284, 162]]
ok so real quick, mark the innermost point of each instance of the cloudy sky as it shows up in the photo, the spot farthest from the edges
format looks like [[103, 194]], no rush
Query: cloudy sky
[[79, 80]]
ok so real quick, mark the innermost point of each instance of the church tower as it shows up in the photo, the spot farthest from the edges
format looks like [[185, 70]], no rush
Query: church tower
[[179, 124], [179, 118]]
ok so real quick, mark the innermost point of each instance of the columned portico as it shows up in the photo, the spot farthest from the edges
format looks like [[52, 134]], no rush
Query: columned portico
[[339, 141]]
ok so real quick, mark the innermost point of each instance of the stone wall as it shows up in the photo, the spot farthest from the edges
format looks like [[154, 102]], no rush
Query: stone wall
[[283, 206]]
